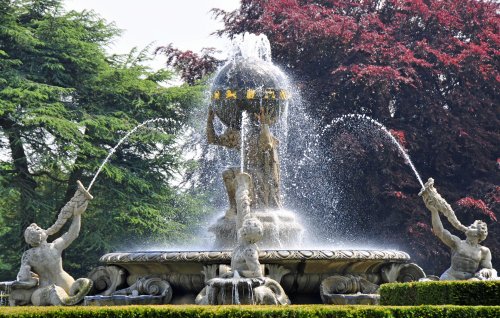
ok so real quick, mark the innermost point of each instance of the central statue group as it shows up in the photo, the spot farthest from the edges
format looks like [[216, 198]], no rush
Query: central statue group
[[260, 160]]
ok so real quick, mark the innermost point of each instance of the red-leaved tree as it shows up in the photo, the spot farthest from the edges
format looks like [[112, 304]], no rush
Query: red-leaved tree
[[428, 70], [191, 66]]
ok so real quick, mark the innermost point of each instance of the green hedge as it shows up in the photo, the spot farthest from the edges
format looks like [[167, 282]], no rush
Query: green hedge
[[299, 311], [485, 293]]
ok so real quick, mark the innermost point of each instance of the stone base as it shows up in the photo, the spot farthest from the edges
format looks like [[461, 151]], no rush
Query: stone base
[[300, 272], [122, 300], [242, 291], [352, 299]]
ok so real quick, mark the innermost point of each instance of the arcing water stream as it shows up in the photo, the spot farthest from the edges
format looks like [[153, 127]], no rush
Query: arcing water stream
[[112, 151], [364, 118]]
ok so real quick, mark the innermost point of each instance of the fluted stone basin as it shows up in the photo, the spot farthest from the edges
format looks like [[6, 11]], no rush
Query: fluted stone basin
[[300, 272]]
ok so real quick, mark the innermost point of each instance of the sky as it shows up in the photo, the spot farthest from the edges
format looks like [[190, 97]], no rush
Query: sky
[[187, 24]]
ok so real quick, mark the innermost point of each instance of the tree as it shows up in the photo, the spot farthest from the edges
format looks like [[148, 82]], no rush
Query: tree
[[191, 66], [429, 70], [63, 105]]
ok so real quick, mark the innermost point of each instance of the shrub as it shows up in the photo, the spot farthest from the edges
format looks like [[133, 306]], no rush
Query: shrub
[[301, 311], [441, 293]]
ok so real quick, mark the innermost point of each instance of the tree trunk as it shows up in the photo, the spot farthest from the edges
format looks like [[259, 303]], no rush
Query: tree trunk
[[23, 180]]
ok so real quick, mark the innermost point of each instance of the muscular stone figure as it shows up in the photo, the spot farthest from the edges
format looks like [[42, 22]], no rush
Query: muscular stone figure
[[260, 161], [246, 273], [55, 286], [469, 260], [245, 257]]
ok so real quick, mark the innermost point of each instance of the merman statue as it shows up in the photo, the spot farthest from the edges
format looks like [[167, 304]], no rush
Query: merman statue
[[469, 260], [41, 280]]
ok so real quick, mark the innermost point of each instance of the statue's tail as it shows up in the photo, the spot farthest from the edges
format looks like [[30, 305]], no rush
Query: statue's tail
[[278, 291], [80, 288]]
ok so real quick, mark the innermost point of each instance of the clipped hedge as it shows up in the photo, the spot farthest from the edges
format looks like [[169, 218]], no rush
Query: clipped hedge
[[485, 293], [299, 311]]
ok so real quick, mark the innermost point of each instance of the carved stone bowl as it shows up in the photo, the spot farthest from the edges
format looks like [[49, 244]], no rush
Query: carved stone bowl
[[300, 272]]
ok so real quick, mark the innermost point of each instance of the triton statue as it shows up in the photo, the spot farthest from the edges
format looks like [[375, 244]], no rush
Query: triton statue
[[42, 280], [469, 260]]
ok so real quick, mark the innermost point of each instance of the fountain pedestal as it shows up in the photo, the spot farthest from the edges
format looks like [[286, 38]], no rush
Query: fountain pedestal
[[242, 291]]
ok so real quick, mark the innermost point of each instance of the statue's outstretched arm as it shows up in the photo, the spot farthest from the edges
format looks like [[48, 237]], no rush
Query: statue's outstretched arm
[[230, 138], [431, 198], [77, 205], [444, 235], [434, 201], [67, 238]]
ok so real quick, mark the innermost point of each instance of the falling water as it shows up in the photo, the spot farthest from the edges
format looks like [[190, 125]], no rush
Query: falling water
[[251, 46], [4, 294], [112, 151], [283, 129], [250, 292], [384, 129], [235, 293], [244, 130]]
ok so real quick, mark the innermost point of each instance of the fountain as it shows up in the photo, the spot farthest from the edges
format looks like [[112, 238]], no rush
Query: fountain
[[254, 259], [250, 96]]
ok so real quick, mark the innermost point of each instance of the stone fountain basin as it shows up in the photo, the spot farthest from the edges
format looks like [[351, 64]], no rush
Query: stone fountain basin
[[300, 272]]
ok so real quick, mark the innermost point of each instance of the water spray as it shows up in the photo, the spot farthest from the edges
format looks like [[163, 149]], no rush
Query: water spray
[[113, 150], [385, 130]]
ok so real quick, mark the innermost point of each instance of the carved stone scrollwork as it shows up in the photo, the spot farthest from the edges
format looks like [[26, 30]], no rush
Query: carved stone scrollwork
[[349, 289], [410, 273], [149, 285], [107, 279], [402, 272], [149, 290], [264, 255], [348, 284], [210, 271], [276, 272]]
